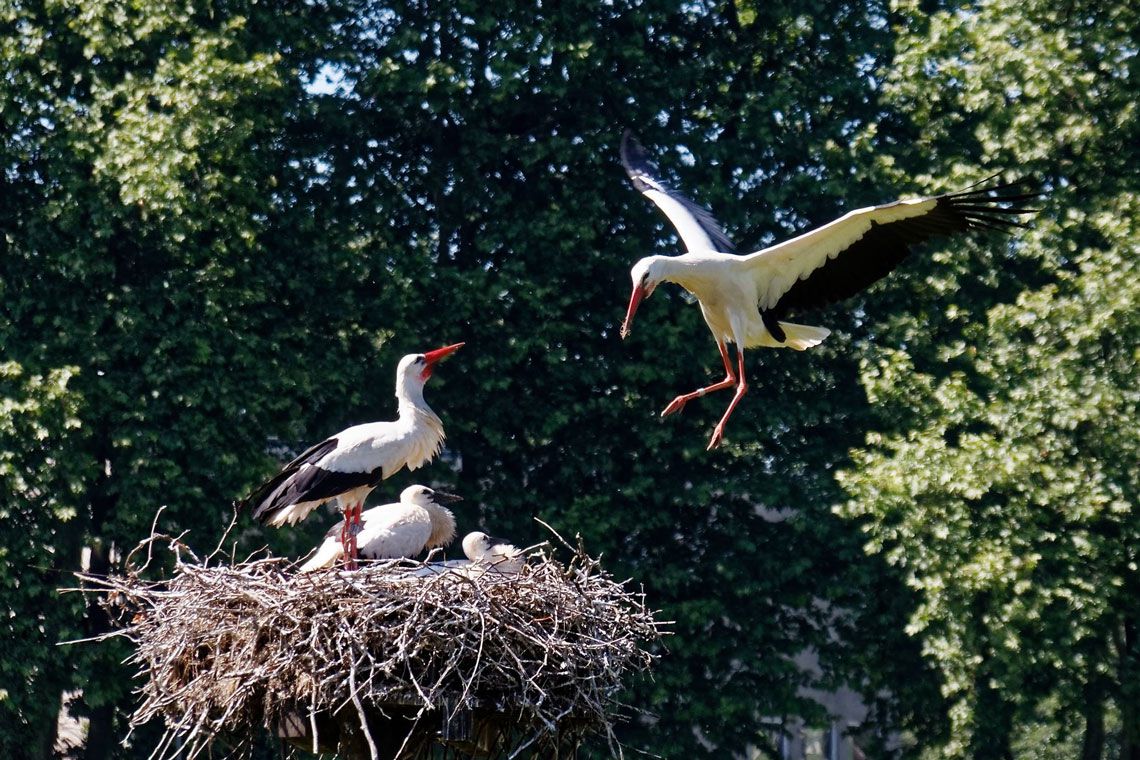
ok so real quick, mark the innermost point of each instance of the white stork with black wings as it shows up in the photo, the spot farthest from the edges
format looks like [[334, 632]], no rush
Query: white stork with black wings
[[745, 299], [348, 465]]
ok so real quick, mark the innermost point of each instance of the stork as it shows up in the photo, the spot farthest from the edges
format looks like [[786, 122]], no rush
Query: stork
[[497, 554], [746, 298], [348, 465], [416, 522]]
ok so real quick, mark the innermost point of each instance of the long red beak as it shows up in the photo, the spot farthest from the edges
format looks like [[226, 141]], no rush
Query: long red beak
[[431, 357], [634, 302]]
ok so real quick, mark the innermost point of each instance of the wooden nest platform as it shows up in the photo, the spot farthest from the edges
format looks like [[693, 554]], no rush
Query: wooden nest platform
[[398, 659]]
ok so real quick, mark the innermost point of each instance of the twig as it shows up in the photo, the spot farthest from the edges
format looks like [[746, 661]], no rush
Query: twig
[[224, 650]]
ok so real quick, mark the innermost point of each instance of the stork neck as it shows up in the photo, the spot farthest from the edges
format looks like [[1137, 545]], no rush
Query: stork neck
[[411, 397], [415, 409], [422, 430], [688, 270]]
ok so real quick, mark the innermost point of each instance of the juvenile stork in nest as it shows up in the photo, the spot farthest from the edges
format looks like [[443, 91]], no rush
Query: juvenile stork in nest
[[745, 299], [418, 521], [348, 465], [496, 554]]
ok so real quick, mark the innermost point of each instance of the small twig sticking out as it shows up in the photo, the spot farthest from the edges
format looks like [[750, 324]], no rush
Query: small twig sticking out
[[225, 535], [539, 656]]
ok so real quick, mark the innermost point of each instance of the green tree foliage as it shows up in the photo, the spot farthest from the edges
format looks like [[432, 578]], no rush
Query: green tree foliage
[[234, 263], [40, 427], [228, 221], [1003, 481], [137, 181]]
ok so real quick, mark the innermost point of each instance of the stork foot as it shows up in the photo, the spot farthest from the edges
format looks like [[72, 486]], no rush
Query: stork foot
[[675, 405], [717, 436]]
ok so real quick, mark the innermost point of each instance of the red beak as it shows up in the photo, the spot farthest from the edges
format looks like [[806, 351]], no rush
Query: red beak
[[634, 301], [431, 357]]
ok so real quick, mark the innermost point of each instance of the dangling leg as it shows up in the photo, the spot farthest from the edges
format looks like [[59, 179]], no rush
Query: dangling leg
[[729, 380], [741, 388]]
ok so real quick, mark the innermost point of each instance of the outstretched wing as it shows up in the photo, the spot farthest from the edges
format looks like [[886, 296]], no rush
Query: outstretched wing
[[698, 230], [842, 258]]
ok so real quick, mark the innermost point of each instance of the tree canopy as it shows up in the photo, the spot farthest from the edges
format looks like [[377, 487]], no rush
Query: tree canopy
[[223, 224]]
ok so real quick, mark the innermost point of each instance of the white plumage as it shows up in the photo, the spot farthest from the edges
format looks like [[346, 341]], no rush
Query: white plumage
[[348, 465], [496, 554], [744, 299], [418, 521]]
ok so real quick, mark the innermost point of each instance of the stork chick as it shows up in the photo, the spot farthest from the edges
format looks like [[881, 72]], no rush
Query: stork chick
[[497, 554], [418, 521]]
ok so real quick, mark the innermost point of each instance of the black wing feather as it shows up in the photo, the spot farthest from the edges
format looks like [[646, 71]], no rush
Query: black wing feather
[[301, 480], [645, 176], [308, 456], [884, 246]]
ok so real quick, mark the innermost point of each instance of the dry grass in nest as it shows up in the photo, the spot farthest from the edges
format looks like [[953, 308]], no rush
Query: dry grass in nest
[[387, 661]]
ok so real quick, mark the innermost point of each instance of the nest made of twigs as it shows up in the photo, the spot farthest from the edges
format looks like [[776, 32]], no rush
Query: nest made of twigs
[[396, 659]]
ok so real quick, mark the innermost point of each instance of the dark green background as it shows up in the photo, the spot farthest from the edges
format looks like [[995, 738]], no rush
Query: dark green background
[[204, 260]]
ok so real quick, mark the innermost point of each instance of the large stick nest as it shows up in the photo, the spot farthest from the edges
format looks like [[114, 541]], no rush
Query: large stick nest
[[396, 659]]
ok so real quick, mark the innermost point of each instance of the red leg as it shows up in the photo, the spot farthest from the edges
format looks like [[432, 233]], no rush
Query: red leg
[[357, 525], [741, 389], [352, 520], [729, 380]]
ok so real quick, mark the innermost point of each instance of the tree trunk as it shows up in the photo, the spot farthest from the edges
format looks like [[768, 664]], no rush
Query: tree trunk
[[1129, 709], [993, 722], [1092, 747], [101, 739]]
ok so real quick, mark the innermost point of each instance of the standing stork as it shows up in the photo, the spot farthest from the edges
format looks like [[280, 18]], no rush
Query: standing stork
[[746, 298], [416, 522], [351, 463]]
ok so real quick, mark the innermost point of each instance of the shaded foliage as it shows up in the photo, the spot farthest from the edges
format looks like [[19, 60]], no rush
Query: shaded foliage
[[1003, 482], [226, 225]]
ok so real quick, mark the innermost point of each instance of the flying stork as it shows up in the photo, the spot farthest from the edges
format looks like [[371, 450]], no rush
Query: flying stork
[[416, 522], [497, 554], [745, 299], [351, 463]]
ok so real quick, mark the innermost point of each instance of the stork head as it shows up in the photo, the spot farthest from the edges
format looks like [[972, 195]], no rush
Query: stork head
[[415, 369], [424, 496], [442, 520], [478, 546], [646, 274]]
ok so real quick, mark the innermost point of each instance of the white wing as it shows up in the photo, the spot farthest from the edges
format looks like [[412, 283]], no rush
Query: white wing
[[697, 228], [505, 558], [779, 267], [362, 448], [327, 554], [844, 257], [394, 530], [389, 531]]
